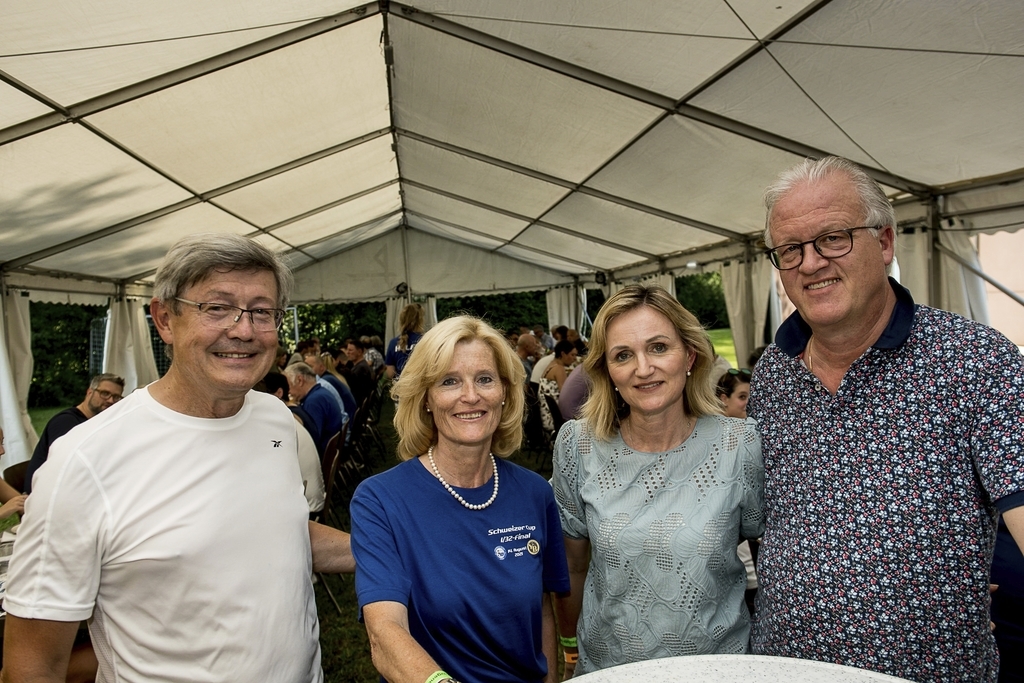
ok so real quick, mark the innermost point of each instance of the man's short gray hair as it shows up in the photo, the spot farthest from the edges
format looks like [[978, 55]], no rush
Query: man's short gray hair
[[296, 369], [878, 211], [194, 258], [106, 377]]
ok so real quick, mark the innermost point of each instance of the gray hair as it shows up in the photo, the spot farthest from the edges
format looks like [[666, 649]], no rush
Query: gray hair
[[296, 369], [106, 377], [877, 209], [192, 259]]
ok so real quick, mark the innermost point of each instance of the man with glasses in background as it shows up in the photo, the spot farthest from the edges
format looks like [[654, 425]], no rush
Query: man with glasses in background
[[176, 523], [104, 391], [891, 439]]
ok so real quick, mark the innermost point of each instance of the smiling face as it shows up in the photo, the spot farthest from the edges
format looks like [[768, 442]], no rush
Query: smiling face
[[647, 361], [215, 366], [848, 292], [736, 405], [466, 401]]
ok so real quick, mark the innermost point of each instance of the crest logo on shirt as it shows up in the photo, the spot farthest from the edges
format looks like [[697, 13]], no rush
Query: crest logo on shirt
[[532, 546], [499, 552]]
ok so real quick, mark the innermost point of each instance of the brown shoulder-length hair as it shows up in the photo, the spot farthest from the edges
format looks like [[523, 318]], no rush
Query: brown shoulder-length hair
[[604, 409], [433, 357]]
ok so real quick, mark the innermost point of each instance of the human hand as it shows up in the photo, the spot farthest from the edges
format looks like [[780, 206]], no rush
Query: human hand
[[16, 504]]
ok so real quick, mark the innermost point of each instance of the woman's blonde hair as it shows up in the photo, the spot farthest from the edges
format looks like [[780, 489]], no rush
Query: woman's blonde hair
[[604, 409], [409, 320], [432, 359]]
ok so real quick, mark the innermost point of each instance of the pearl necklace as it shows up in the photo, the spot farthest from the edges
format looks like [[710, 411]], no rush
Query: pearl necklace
[[447, 486]]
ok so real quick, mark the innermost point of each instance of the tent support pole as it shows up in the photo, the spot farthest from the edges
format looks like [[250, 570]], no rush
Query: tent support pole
[[983, 275]]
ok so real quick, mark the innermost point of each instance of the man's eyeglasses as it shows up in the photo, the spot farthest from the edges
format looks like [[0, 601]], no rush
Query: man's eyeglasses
[[830, 245], [107, 395], [224, 317], [745, 372]]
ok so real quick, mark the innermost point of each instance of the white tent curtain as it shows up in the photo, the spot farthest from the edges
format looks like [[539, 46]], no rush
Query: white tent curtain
[[734, 286], [394, 307], [566, 306], [962, 291], [430, 313], [665, 280], [762, 283], [16, 366], [774, 304], [913, 254], [128, 350]]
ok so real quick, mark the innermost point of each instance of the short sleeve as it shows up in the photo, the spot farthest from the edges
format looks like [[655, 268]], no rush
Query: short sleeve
[[752, 518], [379, 573], [566, 478], [996, 437], [55, 569], [556, 571]]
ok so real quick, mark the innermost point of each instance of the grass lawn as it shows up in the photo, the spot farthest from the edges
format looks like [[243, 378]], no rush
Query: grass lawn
[[722, 341], [40, 416]]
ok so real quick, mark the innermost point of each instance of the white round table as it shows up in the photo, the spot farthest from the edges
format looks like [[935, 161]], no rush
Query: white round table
[[733, 669]]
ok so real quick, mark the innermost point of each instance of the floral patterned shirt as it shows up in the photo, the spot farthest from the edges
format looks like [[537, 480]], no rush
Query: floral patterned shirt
[[880, 501]]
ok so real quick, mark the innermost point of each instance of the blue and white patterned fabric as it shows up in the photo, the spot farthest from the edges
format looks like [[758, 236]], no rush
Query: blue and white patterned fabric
[[880, 500]]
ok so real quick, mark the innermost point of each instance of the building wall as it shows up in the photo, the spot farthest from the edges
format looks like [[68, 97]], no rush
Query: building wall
[[1002, 257]]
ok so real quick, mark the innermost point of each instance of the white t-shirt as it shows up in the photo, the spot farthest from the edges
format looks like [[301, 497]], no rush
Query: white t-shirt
[[309, 466], [184, 539], [540, 367]]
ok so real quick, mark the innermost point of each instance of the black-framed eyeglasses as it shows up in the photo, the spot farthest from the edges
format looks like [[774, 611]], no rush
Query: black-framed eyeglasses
[[224, 317], [830, 245], [108, 395], [744, 372]]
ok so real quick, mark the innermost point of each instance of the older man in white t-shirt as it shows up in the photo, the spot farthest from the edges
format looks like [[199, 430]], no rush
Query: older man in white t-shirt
[[175, 520]]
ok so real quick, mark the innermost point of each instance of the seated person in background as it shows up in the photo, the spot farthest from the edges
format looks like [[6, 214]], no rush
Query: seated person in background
[[733, 391], [551, 382], [13, 502], [545, 339], [574, 337], [359, 374], [373, 356], [574, 393], [326, 379], [324, 411], [527, 348], [104, 391], [309, 460]]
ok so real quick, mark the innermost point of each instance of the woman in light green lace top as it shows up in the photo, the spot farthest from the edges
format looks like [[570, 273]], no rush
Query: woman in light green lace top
[[655, 488]]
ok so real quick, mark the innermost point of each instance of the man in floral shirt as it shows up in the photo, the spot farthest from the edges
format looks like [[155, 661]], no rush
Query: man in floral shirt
[[891, 438]]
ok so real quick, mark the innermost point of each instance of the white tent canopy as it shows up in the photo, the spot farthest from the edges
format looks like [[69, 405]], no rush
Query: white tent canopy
[[471, 147]]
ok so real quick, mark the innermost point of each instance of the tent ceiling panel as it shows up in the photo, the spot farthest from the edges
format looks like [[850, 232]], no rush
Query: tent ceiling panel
[[60, 186], [341, 218], [759, 91], [543, 260], [439, 229], [943, 95], [478, 271], [368, 271], [139, 249], [636, 229], [352, 238], [461, 213], [450, 90], [16, 106], [477, 180], [576, 248], [73, 74], [697, 171], [657, 45], [260, 113], [315, 184]]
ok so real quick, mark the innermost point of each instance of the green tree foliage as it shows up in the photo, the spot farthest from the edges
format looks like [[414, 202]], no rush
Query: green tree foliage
[[505, 312], [332, 324], [702, 295], [60, 347]]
